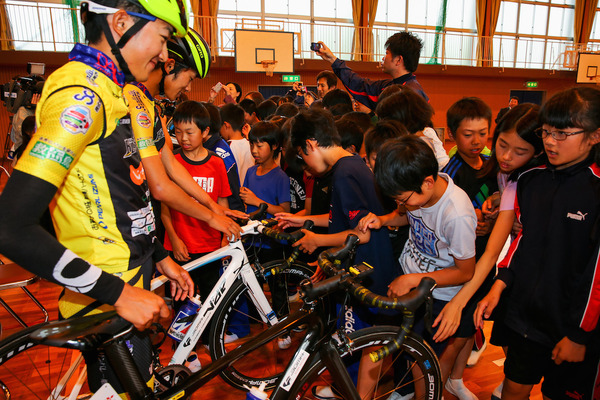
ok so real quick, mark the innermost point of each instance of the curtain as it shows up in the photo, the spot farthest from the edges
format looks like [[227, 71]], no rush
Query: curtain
[[368, 45], [357, 13], [205, 17], [585, 11], [487, 12], [6, 42]]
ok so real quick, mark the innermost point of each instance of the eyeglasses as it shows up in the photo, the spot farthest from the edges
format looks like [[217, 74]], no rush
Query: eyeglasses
[[403, 202], [556, 135]]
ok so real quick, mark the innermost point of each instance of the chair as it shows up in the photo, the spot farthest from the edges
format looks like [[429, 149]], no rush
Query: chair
[[13, 276]]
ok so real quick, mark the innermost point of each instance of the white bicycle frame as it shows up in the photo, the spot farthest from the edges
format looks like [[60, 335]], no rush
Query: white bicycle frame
[[238, 267]]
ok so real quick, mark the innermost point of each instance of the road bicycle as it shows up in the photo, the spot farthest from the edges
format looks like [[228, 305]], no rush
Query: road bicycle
[[240, 278], [321, 357]]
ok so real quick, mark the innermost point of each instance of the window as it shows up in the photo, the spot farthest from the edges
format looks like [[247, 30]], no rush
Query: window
[[331, 21], [43, 26], [533, 34], [446, 27]]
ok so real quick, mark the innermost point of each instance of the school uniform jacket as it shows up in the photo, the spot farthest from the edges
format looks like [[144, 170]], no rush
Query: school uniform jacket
[[553, 266]]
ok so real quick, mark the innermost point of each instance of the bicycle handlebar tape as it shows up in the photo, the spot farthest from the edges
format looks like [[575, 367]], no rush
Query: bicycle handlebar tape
[[291, 238]]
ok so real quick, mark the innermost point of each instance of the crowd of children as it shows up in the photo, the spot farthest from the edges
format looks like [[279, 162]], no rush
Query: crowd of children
[[386, 177]]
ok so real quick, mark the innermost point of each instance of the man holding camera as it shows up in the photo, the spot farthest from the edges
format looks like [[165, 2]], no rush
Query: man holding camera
[[402, 53]]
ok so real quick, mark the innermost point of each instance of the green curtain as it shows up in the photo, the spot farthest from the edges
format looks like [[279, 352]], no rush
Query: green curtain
[[6, 42]]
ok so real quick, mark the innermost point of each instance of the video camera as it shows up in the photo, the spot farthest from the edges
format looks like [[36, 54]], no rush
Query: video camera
[[20, 90]]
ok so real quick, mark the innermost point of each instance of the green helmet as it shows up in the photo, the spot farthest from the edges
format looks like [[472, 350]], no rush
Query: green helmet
[[191, 51], [174, 12]]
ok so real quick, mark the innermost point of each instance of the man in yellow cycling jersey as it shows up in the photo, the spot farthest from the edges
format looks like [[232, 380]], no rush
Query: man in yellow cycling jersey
[[87, 170]]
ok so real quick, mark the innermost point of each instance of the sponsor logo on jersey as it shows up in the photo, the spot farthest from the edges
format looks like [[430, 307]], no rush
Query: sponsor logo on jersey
[[142, 221], [46, 151], [137, 175], [91, 76], [353, 214], [144, 143], [130, 147], [579, 216], [143, 120], [76, 119]]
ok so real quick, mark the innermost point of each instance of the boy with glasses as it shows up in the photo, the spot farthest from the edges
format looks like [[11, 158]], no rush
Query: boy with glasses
[[442, 221]]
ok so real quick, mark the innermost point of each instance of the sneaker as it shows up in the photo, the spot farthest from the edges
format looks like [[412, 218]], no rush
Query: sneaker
[[497, 393], [457, 388], [284, 342], [325, 393], [11, 155], [398, 396], [230, 337], [475, 355]]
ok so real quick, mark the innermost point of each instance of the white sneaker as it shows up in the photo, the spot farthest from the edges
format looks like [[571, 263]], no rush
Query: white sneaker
[[475, 354], [398, 396], [284, 342], [457, 387], [497, 393], [230, 337]]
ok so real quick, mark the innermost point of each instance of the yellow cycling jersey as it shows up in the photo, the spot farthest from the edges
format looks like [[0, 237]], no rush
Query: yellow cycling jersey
[[84, 146], [141, 107]]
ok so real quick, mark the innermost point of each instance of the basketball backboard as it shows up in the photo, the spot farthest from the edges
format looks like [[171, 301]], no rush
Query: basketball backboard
[[254, 46], [588, 68]]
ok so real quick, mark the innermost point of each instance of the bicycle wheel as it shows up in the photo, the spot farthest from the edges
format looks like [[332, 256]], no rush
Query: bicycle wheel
[[236, 320], [418, 365], [32, 371]]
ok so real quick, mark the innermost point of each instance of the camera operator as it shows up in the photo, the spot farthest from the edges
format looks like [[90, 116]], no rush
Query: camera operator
[[297, 93]]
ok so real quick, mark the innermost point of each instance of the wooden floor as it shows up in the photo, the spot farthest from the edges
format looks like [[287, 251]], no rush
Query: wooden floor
[[481, 379]]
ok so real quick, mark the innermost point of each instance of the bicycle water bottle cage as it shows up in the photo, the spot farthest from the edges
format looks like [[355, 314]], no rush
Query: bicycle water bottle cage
[[85, 333]]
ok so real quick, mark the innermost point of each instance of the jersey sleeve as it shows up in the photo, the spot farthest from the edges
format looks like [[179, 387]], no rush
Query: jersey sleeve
[[68, 120], [224, 189], [142, 120], [354, 204], [363, 90]]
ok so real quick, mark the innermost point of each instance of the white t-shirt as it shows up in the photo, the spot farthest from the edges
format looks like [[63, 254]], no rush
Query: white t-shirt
[[240, 148], [438, 147], [439, 234]]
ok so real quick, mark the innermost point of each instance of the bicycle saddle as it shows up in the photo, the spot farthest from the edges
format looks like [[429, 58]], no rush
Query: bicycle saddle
[[85, 333]]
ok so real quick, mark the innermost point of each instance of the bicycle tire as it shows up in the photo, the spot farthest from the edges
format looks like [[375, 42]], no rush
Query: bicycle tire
[[29, 370], [419, 353], [269, 362]]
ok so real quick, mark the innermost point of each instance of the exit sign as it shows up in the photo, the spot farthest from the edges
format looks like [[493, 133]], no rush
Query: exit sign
[[290, 78], [531, 84]]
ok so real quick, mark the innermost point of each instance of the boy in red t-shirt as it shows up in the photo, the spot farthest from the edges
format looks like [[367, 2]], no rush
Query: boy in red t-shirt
[[189, 238]]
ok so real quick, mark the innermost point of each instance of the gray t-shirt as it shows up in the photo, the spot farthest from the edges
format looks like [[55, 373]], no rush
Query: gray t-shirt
[[439, 234]]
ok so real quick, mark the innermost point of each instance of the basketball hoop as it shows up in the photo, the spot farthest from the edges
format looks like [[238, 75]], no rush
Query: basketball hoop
[[269, 66]]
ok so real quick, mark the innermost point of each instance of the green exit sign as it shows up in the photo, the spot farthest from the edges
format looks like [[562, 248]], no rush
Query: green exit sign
[[531, 84], [290, 78]]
